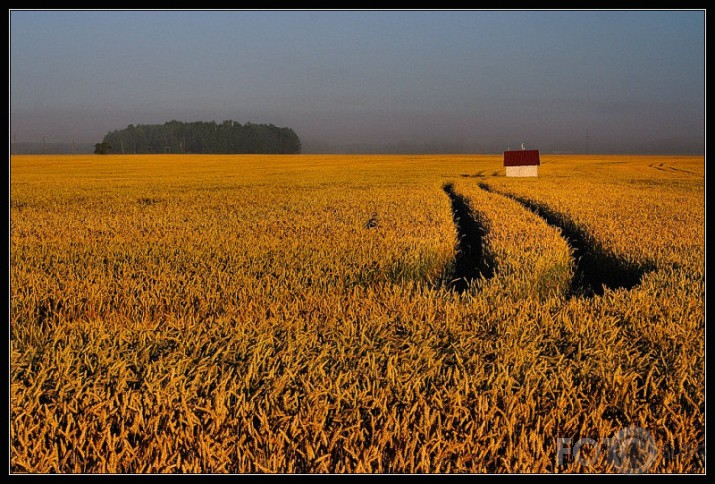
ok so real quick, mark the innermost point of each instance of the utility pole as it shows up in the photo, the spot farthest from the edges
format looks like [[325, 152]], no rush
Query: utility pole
[[74, 148], [43, 145], [587, 152], [14, 144]]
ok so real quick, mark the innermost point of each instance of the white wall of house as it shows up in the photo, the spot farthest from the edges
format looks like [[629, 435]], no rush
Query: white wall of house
[[528, 170]]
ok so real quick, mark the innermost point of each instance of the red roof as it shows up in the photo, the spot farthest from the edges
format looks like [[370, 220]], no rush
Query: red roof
[[521, 158]]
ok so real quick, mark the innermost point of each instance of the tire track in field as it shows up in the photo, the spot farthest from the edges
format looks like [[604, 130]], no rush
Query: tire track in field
[[668, 169], [470, 261], [658, 167], [595, 269], [680, 170]]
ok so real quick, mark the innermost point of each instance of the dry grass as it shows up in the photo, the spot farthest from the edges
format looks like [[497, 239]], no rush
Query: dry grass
[[293, 314]]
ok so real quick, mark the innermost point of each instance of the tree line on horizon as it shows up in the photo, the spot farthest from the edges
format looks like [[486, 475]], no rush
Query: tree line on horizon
[[228, 137]]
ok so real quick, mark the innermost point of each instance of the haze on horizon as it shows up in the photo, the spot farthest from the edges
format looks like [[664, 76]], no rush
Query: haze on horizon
[[370, 81]]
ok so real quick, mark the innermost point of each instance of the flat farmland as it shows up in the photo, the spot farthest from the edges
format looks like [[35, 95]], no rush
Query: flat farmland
[[355, 313]]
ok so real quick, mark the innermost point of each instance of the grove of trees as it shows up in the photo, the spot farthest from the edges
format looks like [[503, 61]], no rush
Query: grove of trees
[[203, 137]]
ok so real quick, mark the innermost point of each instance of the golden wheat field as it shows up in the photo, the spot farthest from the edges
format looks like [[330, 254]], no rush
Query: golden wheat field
[[317, 314]]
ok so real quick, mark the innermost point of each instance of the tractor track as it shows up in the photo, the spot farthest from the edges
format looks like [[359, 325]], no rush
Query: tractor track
[[595, 269], [470, 262]]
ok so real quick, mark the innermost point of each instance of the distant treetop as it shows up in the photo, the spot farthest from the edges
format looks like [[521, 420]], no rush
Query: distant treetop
[[203, 137], [102, 148]]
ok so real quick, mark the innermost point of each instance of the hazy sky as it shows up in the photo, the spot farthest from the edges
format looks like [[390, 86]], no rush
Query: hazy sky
[[482, 80]]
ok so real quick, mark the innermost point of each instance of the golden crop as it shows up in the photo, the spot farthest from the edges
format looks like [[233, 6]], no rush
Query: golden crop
[[231, 314]]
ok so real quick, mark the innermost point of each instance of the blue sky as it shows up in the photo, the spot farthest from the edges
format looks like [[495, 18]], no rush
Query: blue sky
[[370, 80]]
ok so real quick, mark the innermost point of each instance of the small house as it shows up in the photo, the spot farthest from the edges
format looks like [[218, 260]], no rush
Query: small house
[[522, 162]]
